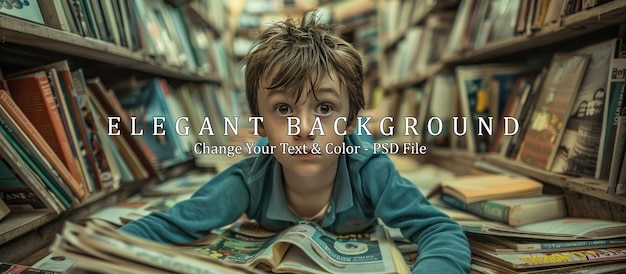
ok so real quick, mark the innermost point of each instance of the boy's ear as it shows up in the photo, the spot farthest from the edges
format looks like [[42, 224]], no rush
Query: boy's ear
[[261, 129]]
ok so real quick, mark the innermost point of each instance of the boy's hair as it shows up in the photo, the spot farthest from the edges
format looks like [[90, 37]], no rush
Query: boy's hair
[[300, 56]]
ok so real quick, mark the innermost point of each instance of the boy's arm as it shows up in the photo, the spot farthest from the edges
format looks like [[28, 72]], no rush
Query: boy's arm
[[219, 202], [442, 244]]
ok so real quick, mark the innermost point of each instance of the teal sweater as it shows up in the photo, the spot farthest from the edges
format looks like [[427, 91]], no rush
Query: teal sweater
[[367, 186]]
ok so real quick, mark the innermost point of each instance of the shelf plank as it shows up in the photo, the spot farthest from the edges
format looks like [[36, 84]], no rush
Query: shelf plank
[[27, 33], [18, 223]]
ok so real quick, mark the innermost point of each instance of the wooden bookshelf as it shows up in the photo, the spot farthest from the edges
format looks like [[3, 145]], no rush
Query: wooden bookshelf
[[572, 26], [24, 45], [27, 33]]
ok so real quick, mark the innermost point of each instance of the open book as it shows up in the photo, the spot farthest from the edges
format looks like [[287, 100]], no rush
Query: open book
[[306, 248], [242, 248], [100, 247]]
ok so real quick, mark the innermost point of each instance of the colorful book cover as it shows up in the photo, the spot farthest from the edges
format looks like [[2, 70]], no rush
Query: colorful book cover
[[552, 110], [149, 106], [581, 145]]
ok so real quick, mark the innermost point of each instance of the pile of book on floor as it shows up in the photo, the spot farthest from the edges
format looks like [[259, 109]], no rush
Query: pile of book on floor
[[515, 228], [243, 247]]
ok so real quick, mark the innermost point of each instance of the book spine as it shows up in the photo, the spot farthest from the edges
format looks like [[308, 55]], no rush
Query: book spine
[[36, 161], [76, 186], [33, 95], [485, 209], [618, 155], [576, 244], [34, 183]]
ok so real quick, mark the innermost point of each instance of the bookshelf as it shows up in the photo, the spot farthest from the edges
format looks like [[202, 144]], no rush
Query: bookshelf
[[570, 31], [571, 26], [26, 44]]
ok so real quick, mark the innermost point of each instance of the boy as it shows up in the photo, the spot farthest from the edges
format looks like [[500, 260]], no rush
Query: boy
[[305, 74]]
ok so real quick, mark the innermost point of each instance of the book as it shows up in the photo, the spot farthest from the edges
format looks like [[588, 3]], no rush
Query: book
[[26, 10], [482, 265], [100, 247], [616, 176], [476, 188], [305, 248], [128, 146], [148, 104], [581, 147], [30, 133], [9, 268], [25, 193], [552, 109], [515, 212], [32, 172], [615, 99], [509, 244], [567, 228], [32, 94], [551, 259]]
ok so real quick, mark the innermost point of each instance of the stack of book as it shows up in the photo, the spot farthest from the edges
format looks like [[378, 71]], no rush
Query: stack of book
[[516, 228], [562, 245]]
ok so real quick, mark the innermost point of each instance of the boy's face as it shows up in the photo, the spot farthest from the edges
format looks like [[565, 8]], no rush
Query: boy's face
[[327, 104]]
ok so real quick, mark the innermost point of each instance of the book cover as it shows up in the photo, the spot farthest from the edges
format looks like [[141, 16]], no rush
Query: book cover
[[54, 15], [129, 147], [9, 268], [30, 132], [246, 243], [20, 186], [33, 95], [510, 244], [476, 188], [567, 228], [581, 146], [28, 10], [515, 212], [552, 109], [24, 157], [149, 105], [551, 259]]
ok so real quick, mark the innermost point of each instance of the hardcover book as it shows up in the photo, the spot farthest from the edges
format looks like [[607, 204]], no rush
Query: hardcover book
[[515, 212], [552, 109], [31, 134], [476, 188]]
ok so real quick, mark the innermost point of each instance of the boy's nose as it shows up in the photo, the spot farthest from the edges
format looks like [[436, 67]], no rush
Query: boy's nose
[[306, 124]]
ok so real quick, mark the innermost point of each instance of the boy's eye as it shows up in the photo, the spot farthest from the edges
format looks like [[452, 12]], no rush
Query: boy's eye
[[324, 109], [283, 109]]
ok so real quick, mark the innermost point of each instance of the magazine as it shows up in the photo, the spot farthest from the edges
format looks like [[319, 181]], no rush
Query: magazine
[[99, 246], [307, 248], [567, 228]]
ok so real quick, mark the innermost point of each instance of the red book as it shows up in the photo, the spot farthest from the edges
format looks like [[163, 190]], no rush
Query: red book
[[33, 106]]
